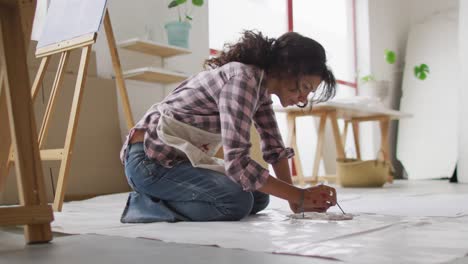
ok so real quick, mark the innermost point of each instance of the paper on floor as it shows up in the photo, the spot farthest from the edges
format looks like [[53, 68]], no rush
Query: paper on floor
[[405, 223], [322, 216]]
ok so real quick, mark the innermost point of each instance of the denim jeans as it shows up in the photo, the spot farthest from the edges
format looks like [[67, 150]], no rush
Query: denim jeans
[[185, 193]]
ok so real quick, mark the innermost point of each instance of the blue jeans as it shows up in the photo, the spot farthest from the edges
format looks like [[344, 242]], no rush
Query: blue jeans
[[184, 193]]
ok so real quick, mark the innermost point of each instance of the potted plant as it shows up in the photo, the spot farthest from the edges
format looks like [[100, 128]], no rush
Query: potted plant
[[178, 31], [370, 86]]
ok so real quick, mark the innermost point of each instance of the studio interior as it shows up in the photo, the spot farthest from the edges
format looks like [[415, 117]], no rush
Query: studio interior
[[80, 79]]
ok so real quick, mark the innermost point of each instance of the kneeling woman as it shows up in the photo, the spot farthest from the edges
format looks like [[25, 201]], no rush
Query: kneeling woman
[[168, 155]]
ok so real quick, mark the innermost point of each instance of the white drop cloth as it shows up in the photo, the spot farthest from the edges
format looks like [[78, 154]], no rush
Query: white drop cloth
[[406, 222]]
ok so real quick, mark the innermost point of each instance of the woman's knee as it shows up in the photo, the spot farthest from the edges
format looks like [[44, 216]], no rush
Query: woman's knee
[[261, 201], [237, 206]]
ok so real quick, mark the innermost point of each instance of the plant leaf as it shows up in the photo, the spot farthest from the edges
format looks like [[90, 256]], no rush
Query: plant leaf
[[188, 17], [421, 71], [180, 1], [197, 2], [390, 56], [424, 68], [173, 4], [367, 78]]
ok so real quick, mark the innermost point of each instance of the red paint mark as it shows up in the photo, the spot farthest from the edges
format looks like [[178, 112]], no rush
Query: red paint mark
[[214, 52], [205, 147]]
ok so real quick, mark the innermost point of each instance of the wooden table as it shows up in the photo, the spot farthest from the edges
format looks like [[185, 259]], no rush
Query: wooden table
[[351, 113]]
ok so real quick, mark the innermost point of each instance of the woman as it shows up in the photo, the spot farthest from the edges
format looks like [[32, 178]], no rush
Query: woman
[[168, 155]]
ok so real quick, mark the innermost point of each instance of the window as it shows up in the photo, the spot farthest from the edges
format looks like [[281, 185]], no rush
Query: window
[[227, 19], [329, 22]]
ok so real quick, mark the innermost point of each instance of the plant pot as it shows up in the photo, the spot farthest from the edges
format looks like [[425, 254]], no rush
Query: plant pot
[[178, 33], [374, 89]]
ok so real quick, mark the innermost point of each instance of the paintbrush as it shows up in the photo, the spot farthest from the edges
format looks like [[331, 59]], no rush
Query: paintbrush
[[321, 183], [340, 208]]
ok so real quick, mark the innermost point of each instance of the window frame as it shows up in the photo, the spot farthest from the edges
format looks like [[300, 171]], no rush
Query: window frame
[[290, 19]]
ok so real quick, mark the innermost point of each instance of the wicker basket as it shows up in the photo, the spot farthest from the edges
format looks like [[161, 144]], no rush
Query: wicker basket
[[362, 173]]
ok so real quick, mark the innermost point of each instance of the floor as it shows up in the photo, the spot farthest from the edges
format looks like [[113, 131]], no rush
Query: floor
[[76, 249], [439, 229]]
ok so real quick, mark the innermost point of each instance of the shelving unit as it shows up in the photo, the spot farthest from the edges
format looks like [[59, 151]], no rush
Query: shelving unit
[[152, 48], [153, 74]]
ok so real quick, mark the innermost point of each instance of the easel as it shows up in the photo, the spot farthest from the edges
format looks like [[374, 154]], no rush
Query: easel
[[33, 212], [84, 43]]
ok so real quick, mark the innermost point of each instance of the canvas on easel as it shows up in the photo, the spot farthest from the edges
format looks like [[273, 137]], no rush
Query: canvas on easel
[[71, 25], [33, 212]]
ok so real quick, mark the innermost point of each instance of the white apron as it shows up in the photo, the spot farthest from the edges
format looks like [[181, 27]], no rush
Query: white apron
[[198, 145]]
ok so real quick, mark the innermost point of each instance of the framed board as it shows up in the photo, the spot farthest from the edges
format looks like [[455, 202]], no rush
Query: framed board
[[70, 23]]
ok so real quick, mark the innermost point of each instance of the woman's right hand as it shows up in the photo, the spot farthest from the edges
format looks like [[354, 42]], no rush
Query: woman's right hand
[[317, 199]]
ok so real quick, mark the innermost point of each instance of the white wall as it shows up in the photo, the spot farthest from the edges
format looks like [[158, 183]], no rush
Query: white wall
[[421, 9], [384, 24], [129, 20], [381, 25], [462, 171], [389, 24]]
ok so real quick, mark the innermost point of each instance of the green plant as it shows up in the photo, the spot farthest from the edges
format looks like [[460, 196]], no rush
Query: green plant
[[187, 13], [390, 58], [368, 78], [421, 71]]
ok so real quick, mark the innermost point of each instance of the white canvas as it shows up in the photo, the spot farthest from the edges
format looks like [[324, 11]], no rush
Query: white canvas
[[427, 143], [70, 19], [462, 169]]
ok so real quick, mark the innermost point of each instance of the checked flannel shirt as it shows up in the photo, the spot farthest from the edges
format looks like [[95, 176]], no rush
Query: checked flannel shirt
[[224, 100]]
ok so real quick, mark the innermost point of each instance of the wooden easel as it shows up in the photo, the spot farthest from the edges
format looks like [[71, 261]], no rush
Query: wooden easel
[[33, 212], [84, 43]]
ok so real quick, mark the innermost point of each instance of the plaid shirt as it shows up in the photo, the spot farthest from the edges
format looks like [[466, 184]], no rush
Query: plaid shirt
[[224, 100]]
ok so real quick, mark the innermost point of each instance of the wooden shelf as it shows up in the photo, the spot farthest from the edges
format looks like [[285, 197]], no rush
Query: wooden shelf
[[154, 74], [152, 48]]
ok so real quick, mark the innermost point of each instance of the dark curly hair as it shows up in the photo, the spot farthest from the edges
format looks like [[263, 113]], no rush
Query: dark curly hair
[[290, 56]]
